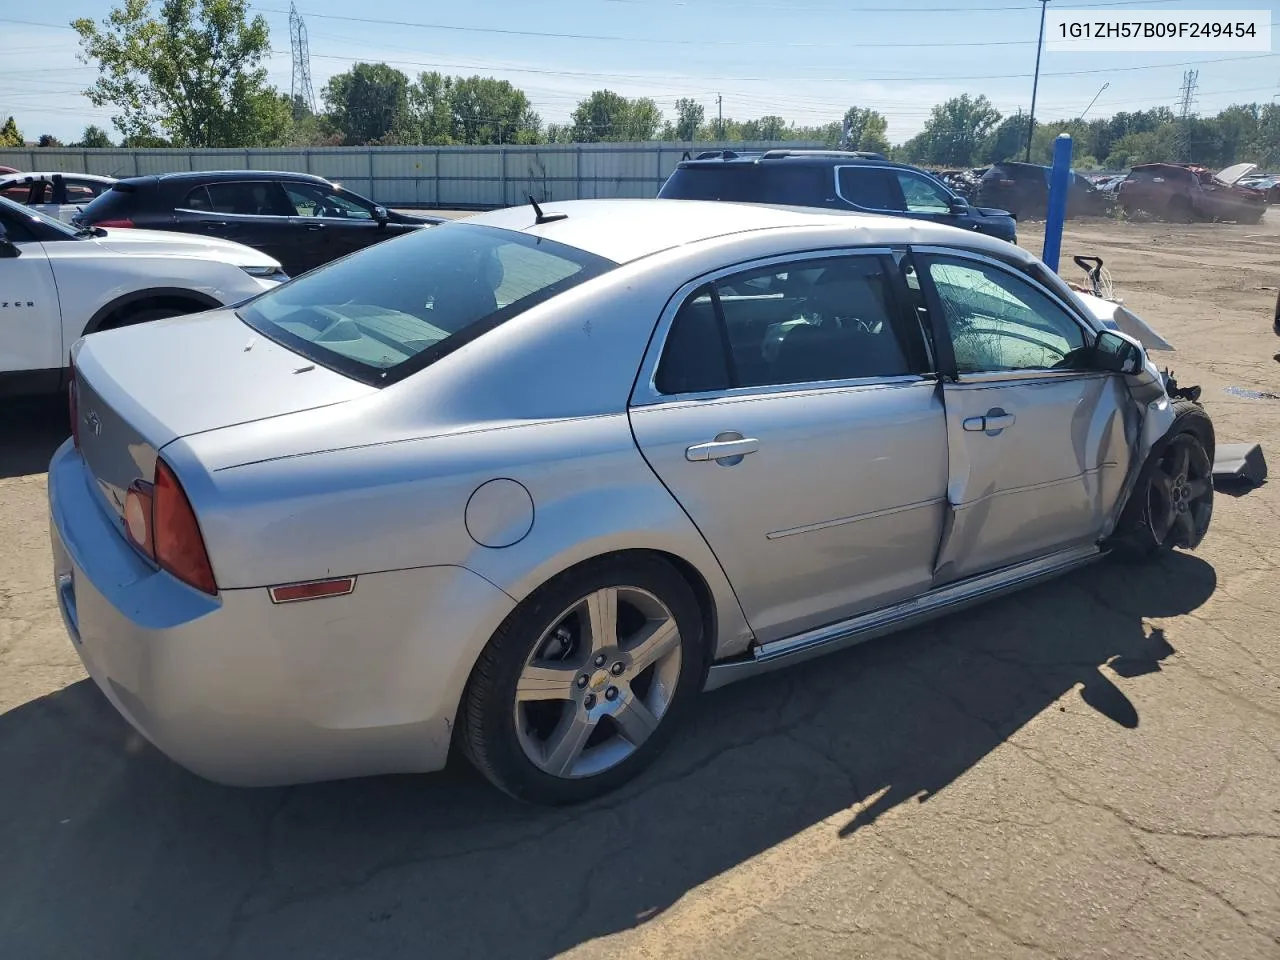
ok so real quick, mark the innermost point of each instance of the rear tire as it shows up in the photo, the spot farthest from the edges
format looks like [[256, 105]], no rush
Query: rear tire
[[1172, 502], [538, 714], [1180, 211]]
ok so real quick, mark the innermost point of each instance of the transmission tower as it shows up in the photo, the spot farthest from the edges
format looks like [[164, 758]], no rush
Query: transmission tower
[[1187, 98], [1186, 104], [300, 89]]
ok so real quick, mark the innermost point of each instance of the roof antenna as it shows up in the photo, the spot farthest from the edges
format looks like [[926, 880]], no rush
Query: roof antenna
[[545, 217]]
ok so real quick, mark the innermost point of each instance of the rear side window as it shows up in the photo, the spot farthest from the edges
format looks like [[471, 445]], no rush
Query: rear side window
[[18, 192], [404, 303], [871, 188], [261, 199], [117, 203], [808, 321], [791, 184]]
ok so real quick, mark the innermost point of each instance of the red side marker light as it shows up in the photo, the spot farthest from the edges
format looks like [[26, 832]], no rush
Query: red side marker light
[[313, 590]]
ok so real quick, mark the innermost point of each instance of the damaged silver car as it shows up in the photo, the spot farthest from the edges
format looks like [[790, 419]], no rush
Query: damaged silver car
[[522, 485]]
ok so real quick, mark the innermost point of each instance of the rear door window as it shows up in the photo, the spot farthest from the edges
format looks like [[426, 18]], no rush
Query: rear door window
[[807, 321], [248, 198], [871, 188]]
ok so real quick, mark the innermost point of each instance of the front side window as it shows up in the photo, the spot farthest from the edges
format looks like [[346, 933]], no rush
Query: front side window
[[17, 192], [921, 195], [404, 303], [999, 322], [82, 191], [807, 321], [309, 200]]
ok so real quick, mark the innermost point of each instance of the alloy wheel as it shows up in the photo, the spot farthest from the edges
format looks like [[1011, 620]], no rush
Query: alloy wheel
[[598, 682], [1180, 495]]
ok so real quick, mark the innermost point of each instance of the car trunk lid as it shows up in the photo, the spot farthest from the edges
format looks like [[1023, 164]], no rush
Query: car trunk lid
[[1231, 174], [140, 388]]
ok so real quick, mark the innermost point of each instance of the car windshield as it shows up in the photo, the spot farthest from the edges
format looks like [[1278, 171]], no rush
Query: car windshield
[[39, 217], [396, 307]]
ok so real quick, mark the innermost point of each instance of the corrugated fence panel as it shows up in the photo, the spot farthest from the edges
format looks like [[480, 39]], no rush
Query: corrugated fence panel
[[420, 176], [340, 165], [166, 161]]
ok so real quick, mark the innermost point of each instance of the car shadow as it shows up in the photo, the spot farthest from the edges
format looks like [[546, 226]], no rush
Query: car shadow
[[31, 429], [110, 850]]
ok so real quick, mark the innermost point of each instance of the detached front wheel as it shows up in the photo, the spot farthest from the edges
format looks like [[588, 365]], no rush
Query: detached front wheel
[[1172, 503], [581, 686]]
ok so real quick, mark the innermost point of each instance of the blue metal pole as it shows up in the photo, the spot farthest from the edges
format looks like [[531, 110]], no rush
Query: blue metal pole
[[1059, 182]]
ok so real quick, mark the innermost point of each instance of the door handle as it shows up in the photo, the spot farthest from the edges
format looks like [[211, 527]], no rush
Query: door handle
[[722, 449], [315, 226], [210, 224], [992, 424]]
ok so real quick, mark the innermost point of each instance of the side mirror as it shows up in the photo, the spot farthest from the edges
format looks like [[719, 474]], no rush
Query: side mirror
[[380, 214], [7, 250], [959, 206], [1116, 353]]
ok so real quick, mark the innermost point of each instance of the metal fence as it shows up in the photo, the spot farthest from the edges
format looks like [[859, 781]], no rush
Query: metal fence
[[442, 177]]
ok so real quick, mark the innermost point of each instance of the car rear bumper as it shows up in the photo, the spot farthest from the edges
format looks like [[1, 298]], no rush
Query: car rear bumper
[[246, 692]]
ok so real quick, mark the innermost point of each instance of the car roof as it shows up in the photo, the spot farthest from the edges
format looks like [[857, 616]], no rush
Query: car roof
[[214, 176], [32, 177], [808, 158], [626, 230]]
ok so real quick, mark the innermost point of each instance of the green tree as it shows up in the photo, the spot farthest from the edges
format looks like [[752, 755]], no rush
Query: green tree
[[765, 128], [94, 137], [689, 117], [10, 135], [370, 104], [866, 129], [487, 111], [48, 140], [1008, 141], [190, 68], [954, 132], [431, 104], [601, 116]]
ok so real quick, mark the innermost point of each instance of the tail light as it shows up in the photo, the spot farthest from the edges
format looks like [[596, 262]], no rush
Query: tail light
[[122, 222], [160, 522], [73, 406]]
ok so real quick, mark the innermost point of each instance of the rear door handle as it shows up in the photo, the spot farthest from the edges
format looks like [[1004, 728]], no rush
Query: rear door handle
[[722, 449], [993, 423]]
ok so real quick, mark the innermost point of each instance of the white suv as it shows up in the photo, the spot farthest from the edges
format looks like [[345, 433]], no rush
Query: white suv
[[58, 283]]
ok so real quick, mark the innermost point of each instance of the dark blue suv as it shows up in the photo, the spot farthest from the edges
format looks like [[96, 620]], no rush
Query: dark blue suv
[[833, 180]]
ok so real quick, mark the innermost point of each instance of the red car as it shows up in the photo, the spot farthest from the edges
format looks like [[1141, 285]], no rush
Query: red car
[[1185, 194]]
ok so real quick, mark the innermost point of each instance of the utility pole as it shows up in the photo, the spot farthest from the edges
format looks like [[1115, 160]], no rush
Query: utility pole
[[1035, 84], [719, 117]]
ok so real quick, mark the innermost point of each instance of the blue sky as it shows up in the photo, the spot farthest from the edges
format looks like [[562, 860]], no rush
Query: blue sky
[[805, 60]]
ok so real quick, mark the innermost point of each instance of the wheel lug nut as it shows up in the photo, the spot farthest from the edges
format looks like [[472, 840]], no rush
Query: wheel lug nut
[[617, 669], [589, 701], [600, 660], [582, 682], [611, 694]]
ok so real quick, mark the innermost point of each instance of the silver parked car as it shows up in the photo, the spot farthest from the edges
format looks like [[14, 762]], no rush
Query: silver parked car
[[525, 483]]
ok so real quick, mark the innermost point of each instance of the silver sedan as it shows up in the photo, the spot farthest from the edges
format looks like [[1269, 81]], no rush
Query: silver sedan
[[524, 484]]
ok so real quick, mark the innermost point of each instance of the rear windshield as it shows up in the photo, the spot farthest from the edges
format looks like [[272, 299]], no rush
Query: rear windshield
[[780, 183], [390, 310], [110, 204]]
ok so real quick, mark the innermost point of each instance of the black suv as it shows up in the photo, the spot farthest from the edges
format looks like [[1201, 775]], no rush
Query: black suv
[[301, 220], [833, 180]]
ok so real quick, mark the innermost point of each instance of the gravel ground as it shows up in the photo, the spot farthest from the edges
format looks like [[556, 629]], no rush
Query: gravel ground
[[1087, 769]]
